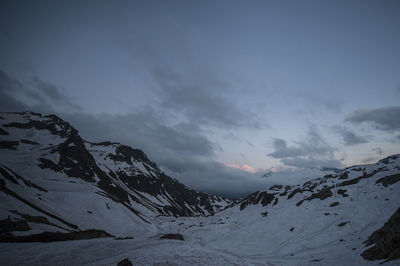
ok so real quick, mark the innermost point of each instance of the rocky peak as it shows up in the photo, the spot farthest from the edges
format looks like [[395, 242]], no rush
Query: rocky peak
[[52, 123], [126, 154]]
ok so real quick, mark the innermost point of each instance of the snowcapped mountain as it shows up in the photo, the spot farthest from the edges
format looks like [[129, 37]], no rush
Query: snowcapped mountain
[[55, 180], [330, 219]]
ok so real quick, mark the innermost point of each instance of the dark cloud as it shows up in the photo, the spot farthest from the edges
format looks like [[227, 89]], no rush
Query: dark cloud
[[311, 151], [181, 149], [210, 176], [41, 97], [231, 136], [386, 118], [311, 162], [145, 129], [349, 137], [8, 87], [378, 151], [283, 151], [370, 160], [201, 97], [53, 94], [332, 105]]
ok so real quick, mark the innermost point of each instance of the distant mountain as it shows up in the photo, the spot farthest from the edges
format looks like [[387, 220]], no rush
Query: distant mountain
[[331, 169], [288, 177], [52, 178]]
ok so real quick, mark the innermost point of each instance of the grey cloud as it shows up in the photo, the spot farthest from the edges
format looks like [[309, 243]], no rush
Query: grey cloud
[[210, 176], [386, 118], [349, 137], [181, 149], [195, 92], [370, 160], [8, 87], [283, 151], [145, 129], [332, 105], [311, 162], [53, 94], [250, 144], [315, 103], [378, 151], [315, 145], [311, 151], [231, 136], [42, 97]]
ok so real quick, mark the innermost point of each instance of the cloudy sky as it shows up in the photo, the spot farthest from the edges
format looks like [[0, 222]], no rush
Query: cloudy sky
[[215, 92]]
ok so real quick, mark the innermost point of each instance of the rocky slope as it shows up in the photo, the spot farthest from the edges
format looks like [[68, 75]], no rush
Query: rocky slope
[[54, 180], [350, 210]]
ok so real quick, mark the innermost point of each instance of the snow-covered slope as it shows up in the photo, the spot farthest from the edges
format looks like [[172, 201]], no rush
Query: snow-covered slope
[[327, 221], [54, 180], [47, 170]]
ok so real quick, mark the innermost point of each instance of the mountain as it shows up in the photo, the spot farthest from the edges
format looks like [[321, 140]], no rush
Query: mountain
[[56, 186], [55, 180], [341, 218]]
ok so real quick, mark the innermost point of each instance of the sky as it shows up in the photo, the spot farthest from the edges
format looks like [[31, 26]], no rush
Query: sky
[[217, 93]]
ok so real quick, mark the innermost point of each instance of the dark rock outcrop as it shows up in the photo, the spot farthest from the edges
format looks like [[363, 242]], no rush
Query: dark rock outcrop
[[3, 132], [357, 179], [125, 262], [386, 240], [173, 236], [294, 192], [27, 141], [389, 180], [322, 194], [10, 225], [333, 204], [55, 236], [10, 145], [342, 224], [342, 192], [263, 197]]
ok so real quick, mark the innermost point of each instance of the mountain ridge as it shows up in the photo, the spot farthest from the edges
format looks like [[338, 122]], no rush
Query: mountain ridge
[[56, 185], [118, 172]]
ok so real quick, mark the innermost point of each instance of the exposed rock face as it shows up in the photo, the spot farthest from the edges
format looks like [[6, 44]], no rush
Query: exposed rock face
[[389, 180], [10, 145], [263, 197], [322, 194], [294, 192], [386, 240], [55, 236], [173, 236], [357, 179], [334, 204], [8, 225], [109, 170], [125, 262], [342, 192]]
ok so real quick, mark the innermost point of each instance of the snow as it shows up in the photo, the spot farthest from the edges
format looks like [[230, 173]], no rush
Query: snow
[[230, 237], [234, 237]]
